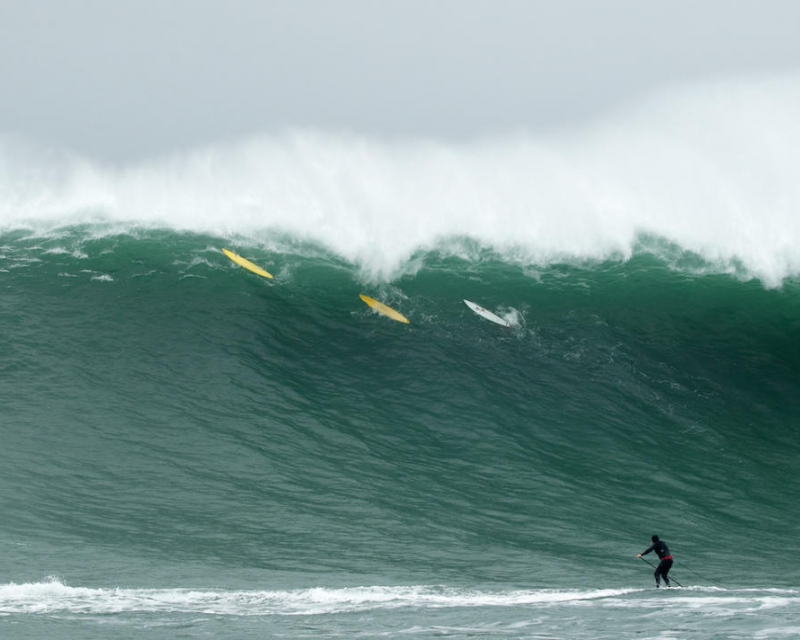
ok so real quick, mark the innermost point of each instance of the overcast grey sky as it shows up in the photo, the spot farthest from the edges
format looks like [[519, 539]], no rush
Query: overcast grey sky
[[127, 79]]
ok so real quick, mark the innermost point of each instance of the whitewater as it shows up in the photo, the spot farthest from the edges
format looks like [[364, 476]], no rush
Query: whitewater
[[708, 168]]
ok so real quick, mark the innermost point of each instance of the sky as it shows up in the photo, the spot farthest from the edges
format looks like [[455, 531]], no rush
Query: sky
[[127, 80]]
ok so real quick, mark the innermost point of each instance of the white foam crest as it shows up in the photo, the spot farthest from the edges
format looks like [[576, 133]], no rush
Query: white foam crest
[[709, 167]]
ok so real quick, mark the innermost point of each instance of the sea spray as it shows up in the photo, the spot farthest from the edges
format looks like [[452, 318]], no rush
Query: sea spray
[[709, 167]]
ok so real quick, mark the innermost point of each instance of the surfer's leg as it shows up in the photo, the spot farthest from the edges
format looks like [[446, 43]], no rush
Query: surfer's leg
[[665, 567]]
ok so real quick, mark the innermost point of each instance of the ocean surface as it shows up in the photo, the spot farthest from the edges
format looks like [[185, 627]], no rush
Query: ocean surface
[[189, 450]]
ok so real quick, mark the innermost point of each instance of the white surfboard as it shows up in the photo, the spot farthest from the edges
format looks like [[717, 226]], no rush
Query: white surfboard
[[485, 313]]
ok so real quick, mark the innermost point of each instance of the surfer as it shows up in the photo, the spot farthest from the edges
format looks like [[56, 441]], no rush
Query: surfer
[[662, 551]]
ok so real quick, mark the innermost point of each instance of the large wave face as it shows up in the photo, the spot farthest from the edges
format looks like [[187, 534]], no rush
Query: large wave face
[[184, 442]]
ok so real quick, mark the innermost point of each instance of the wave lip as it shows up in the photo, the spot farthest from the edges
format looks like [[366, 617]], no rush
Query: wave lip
[[708, 167]]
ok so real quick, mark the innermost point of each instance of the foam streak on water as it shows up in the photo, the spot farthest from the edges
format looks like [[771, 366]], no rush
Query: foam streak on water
[[379, 610]]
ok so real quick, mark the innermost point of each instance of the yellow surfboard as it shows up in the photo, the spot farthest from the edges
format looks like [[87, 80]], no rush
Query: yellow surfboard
[[383, 309], [246, 264]]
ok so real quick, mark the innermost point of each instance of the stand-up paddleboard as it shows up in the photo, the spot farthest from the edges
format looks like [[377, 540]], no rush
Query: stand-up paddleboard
[[384, 310], [246, 264], [484, 313]]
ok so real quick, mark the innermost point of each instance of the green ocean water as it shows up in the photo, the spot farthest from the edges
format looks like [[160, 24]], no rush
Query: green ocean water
[[189, 450]]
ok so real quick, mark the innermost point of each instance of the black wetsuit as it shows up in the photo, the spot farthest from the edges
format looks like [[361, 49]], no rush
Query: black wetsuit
[[662, 551]]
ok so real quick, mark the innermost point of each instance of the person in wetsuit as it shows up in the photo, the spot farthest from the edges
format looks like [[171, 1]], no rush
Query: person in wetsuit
[[662, 551]]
